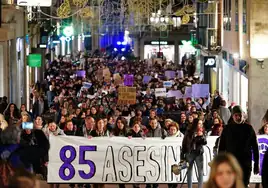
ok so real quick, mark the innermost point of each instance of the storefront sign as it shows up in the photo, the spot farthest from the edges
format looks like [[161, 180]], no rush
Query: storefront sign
[[210, 61], [122, 160], [159, 42], [34, 60]]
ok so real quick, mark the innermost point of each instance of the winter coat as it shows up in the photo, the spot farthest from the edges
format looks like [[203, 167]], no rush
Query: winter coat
[[240, 140], [193, 143], [57, 132], [158, 132], [20, 156], [134, 134]]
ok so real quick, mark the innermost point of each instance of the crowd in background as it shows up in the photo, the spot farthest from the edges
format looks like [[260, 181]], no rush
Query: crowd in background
[[64, 104]]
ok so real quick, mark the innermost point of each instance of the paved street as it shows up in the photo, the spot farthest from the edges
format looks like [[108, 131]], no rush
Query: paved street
[[45, 185]]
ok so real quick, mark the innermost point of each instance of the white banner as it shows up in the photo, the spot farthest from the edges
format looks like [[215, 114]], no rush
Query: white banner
[[121, 160], [160, 92]]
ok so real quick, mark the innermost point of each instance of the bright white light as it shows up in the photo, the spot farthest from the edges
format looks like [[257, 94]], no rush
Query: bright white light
[[115, 49], [126, 32], [68, 39], [123, 58], [156, 20], [236, 55], [152, 19], [162, 19], [62, 38], [159, 12], [123, 49], [124, 43], [166, 19], [119, 43]]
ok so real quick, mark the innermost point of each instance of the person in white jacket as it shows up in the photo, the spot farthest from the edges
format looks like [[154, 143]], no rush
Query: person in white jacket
[[52, 129]]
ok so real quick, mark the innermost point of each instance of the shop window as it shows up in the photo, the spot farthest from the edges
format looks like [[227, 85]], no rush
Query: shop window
[[224, 55], [231, 59], [243, 66], [244, 16], [227, 6], [236, 15]]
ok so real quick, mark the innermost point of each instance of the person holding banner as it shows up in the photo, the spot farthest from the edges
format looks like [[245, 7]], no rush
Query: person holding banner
[[155, 130], [192, 150]]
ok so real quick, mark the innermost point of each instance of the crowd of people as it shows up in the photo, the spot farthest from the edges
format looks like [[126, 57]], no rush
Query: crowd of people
[[67, 103]]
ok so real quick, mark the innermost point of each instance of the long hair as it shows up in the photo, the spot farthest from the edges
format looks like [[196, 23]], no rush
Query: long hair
[[116, 130], [16, 111], [230, 160]]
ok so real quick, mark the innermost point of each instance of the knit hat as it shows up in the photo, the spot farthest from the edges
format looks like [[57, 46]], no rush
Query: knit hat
[[237, 110]]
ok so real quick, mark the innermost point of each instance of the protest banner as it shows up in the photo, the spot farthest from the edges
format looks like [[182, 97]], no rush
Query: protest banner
[[175, 93], [146, 79], [122, 160], [167, 84], [128, 79], [200, 90], [188, 92], [170, 74], [107, 75], [160, 92], [126, 95], [81, 73], [180, 74]]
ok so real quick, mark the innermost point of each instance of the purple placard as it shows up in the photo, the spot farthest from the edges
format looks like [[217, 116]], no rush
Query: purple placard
[[170, 74], [128, 79], [81, 73], [263, 146], [200, 90], [180, 73], [175, 93], [146, 79], [188, 92]]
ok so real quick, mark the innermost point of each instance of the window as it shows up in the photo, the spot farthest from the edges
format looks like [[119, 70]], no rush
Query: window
[[231, 59], [227, 5], [245, 16], [224, 55], [236, 15]]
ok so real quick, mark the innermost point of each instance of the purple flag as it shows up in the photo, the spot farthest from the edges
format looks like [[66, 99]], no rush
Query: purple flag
[[200, 90], [128, 79], [170, 74], [81, 73]]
